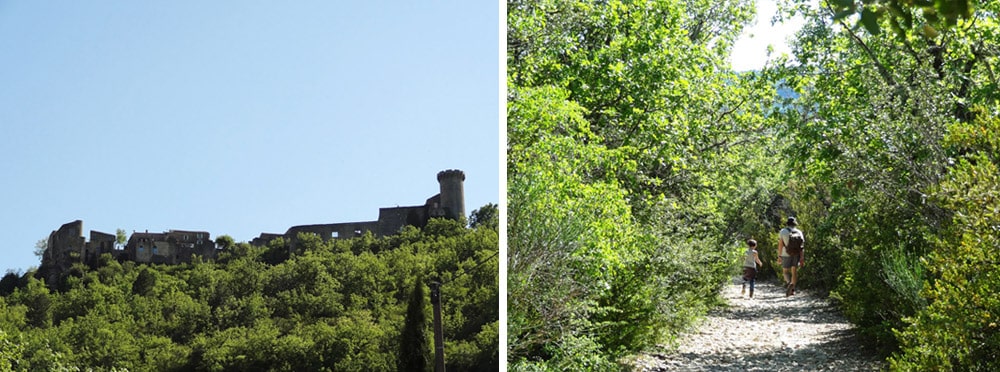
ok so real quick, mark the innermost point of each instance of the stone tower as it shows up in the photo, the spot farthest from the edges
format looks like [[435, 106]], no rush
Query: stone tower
[[452, 193]]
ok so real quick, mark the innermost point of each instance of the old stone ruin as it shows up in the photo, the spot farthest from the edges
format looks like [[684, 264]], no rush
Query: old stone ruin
[[67, 245], [449, 203]]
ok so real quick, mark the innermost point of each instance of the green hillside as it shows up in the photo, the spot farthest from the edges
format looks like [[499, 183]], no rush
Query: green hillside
[[340, 305]]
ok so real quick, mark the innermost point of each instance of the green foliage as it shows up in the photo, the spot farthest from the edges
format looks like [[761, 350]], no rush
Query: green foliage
[[278, 250], [443, 227], [414, 347], [37, 298], [121, 238], [637, 95], [638, 164], [627, 143], [869, 117], [40, 246], [8, 283], [10, 351], [487, 217], [560, 230], [321, 308], [144, 283], [958, 329], [903, 13], [225, 242]]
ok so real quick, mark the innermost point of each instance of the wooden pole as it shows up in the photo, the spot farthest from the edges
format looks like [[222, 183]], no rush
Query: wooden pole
[[438, 330]]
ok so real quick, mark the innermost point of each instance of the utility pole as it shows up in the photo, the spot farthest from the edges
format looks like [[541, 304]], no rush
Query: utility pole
[[438, 330]]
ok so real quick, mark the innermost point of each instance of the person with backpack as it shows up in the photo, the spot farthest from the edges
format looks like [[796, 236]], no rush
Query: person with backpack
[[750, 264], [791, 245]]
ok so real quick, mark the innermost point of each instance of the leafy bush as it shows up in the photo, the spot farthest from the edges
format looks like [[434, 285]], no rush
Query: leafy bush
[[959, 329], [571, 243]]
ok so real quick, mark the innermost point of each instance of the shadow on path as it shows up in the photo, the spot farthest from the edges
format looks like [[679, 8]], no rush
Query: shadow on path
[[770, 332]]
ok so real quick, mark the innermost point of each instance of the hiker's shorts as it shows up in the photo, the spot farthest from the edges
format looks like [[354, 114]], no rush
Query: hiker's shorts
[[749, 273], [789, 261]]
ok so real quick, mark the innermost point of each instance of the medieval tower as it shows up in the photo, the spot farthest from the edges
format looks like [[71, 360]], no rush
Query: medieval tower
[[452, 193]]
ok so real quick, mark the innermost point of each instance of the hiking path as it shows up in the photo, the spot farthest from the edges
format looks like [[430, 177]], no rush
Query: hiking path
[[770, 332]]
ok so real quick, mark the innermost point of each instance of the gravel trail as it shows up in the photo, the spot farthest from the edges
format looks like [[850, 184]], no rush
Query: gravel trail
[[770, 332]]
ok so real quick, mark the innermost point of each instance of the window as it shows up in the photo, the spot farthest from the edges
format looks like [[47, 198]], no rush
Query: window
[[155, 250], [335, 235]]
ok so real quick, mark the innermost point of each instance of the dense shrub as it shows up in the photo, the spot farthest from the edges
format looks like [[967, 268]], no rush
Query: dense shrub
[[959, 329]]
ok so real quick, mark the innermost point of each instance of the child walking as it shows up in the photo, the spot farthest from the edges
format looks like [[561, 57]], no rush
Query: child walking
[[750, 265]]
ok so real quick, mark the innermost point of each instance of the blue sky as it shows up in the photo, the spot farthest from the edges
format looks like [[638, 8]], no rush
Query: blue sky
[[239, 117]]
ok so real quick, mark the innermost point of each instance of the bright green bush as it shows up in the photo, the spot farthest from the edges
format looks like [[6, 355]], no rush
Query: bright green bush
[[11, 350], [960, 329], [572, 242]]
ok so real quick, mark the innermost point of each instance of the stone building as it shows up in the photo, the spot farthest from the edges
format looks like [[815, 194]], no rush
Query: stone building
[[448, 203], [67, 246], [171, 247]]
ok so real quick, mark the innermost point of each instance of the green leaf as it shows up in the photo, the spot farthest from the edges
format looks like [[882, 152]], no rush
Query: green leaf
[[869, 19], [840, 4], [842, 14]]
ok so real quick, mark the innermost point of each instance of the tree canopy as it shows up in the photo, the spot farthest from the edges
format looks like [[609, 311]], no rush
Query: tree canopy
[[638, 162]]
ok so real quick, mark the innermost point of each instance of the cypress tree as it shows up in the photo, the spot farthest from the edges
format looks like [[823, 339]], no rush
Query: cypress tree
[[413, 346]]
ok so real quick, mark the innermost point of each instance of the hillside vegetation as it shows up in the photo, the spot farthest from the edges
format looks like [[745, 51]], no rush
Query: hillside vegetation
[[340, 305], [639, 162]]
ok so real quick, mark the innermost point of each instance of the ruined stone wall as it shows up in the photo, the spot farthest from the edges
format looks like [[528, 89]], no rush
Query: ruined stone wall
[[329, 231], [433, 207], [69, 238], [449, 203], [391, 220], [65, 247], [333, 230], [265, 238], [100, 243]]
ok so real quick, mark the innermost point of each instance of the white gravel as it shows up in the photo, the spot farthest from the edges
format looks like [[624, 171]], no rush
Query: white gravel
[[770, 332]]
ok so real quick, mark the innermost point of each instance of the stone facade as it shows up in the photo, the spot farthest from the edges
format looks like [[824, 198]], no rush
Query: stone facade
[[171, 247], [100, 243]]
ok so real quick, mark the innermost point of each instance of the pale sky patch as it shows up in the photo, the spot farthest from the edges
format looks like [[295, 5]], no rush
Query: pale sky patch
[[750, 50]]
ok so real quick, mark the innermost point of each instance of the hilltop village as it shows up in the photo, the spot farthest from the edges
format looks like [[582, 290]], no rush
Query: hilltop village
[[67, 245]]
